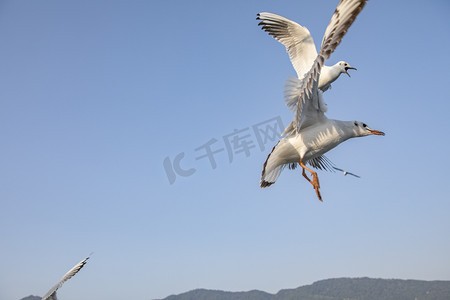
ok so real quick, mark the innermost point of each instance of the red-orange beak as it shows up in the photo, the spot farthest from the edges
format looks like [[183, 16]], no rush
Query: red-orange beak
[[376, 132]]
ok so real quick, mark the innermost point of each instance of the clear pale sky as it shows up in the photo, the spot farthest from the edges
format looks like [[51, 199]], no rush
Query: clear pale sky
[[95, 97]]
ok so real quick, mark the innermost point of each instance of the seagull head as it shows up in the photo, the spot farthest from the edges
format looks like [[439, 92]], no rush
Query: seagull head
[[361, 129], [344, 67]]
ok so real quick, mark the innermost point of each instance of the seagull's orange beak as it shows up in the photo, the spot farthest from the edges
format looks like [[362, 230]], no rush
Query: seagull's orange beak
[[376, 132], [349, 68]]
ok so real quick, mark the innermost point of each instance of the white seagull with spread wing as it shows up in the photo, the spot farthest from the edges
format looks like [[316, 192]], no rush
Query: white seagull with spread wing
[[300, 45], [51, 294]]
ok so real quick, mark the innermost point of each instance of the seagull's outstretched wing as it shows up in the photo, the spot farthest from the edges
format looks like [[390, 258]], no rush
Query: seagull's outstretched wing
[[298, 41], [309, 104], [343, 17], [51, 294]]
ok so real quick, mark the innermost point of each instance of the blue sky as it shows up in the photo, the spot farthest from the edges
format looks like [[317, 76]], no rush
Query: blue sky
[[96, 95]]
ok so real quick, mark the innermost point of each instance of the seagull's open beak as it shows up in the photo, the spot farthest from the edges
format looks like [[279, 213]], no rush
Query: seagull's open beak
[[349, 68], [376, 132]]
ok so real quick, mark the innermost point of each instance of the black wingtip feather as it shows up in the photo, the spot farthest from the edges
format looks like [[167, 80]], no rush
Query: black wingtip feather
[[266, 184]]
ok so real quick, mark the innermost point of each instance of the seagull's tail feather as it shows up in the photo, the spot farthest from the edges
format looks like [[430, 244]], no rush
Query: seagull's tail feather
[[272, 167], [292, 88], [269, 178]]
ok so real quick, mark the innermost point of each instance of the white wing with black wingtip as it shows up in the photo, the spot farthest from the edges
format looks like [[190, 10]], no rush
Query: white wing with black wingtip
[[297, 39], [51, 294]]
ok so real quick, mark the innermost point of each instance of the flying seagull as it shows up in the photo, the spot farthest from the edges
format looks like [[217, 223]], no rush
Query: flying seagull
[[300, 44], [311, 133], [51, 294], [346, 172]]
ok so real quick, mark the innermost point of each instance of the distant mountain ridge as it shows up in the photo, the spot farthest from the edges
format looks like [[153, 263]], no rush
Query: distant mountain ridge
[[337, 289], [31, 297], [332, 289]]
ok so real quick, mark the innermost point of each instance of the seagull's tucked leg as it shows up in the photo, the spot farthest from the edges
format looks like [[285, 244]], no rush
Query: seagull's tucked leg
[[315, 181], [307, 178]]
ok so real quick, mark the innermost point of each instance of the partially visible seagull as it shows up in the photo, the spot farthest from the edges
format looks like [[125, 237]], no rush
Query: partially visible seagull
[[300, 45], [346, 172], [312, 134], [51, 294]]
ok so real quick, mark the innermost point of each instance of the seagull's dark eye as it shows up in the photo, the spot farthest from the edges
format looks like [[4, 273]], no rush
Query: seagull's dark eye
[[364, 125]]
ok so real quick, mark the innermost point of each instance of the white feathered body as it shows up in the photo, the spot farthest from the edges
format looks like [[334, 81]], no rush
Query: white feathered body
[[310, 143], [328, 75], [317, 140]]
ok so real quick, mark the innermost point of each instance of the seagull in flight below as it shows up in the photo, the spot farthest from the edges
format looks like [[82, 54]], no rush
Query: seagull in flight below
[[51, 294], [313, 134], [346, 172]]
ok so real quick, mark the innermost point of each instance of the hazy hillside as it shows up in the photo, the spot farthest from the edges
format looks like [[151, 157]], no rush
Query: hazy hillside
[[332, 289], [202, 294], [337, 289], [31, 297]]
